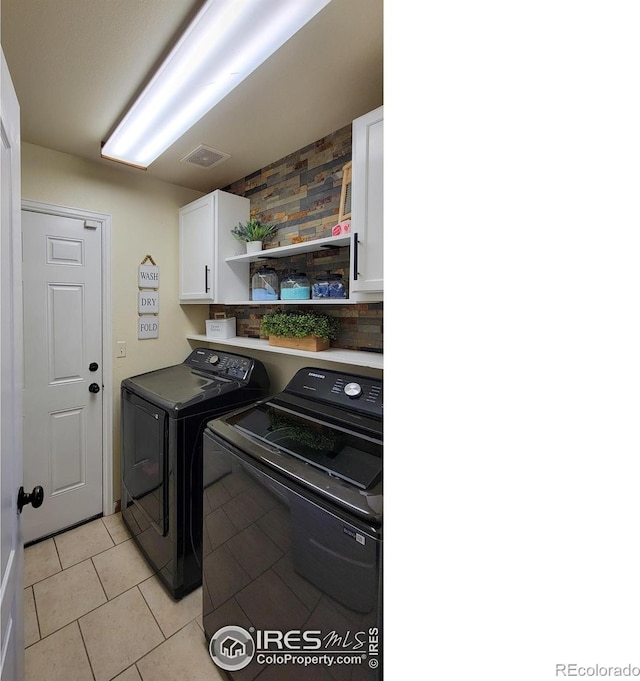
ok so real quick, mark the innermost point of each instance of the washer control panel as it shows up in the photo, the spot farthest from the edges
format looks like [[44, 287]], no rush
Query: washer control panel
[[357, 393], [220, 363]]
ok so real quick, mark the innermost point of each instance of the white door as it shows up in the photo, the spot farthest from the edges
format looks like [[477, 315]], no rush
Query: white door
[[63, 391], [11, 589]]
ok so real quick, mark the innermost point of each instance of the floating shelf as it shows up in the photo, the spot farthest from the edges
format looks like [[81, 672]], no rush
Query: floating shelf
[[373, 360], [305, 301], [293, 249]]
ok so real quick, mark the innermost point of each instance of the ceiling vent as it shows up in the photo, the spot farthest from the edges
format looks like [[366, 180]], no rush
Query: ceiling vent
[[205, 157]]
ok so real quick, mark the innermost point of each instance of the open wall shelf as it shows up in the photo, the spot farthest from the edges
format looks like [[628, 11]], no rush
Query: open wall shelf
[[373, 360]]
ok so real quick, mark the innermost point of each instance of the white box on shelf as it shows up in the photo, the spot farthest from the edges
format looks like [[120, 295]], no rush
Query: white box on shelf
[[221, 328]]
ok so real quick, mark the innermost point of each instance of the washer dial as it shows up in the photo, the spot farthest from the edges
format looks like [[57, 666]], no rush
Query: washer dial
[[353, 390]]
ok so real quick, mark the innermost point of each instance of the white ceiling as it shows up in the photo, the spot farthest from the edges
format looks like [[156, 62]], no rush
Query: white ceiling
[[76, 64]]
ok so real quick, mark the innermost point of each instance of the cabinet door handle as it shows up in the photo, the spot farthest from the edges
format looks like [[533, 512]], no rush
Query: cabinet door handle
[[206, 279], [355, 256]]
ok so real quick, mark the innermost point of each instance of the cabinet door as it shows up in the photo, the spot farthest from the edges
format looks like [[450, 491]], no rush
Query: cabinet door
[[197, 227], [367, 217]]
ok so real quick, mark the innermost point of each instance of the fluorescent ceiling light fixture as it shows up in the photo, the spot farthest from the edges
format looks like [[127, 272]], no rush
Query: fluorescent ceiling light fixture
[[227, 40]]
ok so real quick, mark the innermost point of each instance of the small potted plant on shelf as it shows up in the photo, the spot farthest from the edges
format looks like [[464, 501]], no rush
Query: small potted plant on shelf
[[300, 330], [254, 232]]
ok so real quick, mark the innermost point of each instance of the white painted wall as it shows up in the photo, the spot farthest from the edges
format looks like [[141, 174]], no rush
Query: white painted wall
[[144, 214]]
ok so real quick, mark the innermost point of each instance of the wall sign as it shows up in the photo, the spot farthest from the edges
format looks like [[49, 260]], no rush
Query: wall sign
[[148, 276], [148, 327], [148, 302], [148, 299]]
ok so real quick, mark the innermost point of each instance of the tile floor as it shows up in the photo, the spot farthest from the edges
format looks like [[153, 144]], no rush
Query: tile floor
[[95, 612]]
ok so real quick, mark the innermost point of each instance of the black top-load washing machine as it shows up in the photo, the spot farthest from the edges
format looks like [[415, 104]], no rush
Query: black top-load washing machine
[[292, 532], [164, 414]]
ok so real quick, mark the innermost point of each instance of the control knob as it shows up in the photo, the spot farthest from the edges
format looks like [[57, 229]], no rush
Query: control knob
[[214, 359], [353, 390]]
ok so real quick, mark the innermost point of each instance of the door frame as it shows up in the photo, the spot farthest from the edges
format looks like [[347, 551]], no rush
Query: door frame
[[104, 220]]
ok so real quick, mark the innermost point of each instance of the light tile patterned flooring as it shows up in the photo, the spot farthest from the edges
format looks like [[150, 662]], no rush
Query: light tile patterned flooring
[[94, 611]]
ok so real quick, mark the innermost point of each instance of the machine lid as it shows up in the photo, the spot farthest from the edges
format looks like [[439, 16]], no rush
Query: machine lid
[[176, 386], [205, 374], [352, 457], [365, 503]]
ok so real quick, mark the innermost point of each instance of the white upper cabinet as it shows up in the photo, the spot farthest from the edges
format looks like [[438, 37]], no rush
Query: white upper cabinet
[[367, 217], [205, 241]]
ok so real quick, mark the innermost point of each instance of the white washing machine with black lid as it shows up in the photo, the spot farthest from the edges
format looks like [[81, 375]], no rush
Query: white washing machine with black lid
[[164, 414], [292, 532]]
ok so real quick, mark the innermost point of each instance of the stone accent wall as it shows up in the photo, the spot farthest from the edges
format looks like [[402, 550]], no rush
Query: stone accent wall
[[301, 193]]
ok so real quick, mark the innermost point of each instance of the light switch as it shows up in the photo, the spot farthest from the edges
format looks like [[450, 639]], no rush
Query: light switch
[[122, 348]]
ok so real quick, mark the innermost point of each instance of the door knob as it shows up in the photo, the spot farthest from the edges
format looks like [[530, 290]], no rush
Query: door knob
[[35, 498], [94, 388], [93, 366]]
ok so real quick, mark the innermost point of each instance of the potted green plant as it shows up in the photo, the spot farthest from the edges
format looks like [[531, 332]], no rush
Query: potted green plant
[[254, 232], [300, 330]]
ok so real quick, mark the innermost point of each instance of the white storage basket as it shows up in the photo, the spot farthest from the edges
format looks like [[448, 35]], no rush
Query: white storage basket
[[221, 328]]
